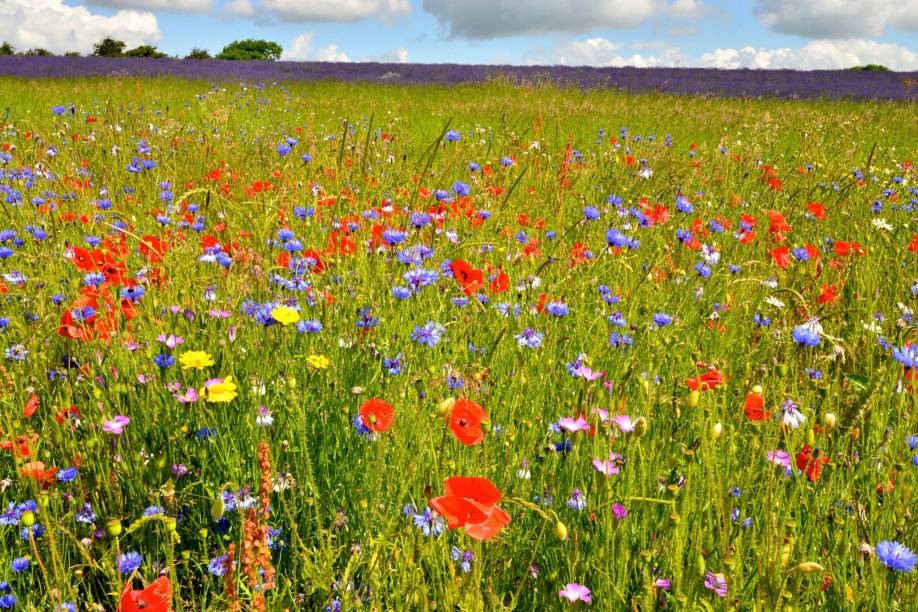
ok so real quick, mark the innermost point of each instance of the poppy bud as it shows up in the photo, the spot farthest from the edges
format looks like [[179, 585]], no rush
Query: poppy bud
[[782, 370], [113, 528], [700, 564], [27, 518], [202, 533], [171, 523], [217, 508], [693, 398], [809, 567], [561, 531], [757, 389], [444, 407], [811, 437], [640, 427], [716, 430], [44, 500], [828, 419]]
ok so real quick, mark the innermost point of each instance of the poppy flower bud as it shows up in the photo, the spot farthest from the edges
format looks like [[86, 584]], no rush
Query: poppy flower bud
[[217, 508], [700, 564], [640, 427], [716, 430], [828, 419], [113, 528], [809, 567], [693, 398], [444, 407], [27, 518], [561, 531], [782, 370], [44, 500], [757, 389], [171, 523], [202, 533]]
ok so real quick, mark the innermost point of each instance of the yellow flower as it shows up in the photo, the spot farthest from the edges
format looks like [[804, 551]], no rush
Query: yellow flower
[[319, 362], [218, 390], [285, 315], [195, 360]]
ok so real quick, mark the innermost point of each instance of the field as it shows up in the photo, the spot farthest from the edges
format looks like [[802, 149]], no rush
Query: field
[[364, 346]]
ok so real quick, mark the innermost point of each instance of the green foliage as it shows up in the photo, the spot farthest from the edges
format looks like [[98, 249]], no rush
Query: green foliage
[[250, 49], [198, 54], [72, 54], [38, 51], [109, 47], [871, 68], [144, 51], [7, 49]]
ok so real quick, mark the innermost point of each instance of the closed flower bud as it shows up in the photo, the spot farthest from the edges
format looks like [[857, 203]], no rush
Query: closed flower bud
[[811, 437], [828, 419], [693, 398], [444, 407], [700, 565], [561, 531], [809, 567], [217, 508], [171, 523], [113, 528], [640, 426], [757, 389], [716, 430], [27, 518]]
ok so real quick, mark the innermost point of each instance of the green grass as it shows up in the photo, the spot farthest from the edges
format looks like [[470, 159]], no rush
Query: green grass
[[345, 536]]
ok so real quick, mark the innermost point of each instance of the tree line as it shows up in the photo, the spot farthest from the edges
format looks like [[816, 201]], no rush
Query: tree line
[[248, 49]]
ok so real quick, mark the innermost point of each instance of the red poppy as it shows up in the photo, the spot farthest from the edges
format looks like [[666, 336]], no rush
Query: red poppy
[[818, 210], [501, 281], [781, 255], [778, 225], [470, 502], [754, 407], [376, 414], [153, 249], [465, 420], [30, 407], [83, 260], [706, 381], [913, 245], [811, 463], [156, 597], [469, 278], [829, 295], [37, 471]]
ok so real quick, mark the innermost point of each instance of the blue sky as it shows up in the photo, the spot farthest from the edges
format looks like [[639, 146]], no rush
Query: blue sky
[[803, 34]]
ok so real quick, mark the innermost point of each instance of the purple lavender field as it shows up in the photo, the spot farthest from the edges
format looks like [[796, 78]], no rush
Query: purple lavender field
[[696, 81]]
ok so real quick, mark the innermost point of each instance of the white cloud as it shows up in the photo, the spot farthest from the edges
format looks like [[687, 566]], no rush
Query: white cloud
[[52, 25], [335, 10], [837, 18], [182, 6], [300, 50], [241, 8], [687, 9], [603, 52], [482, 19], [395, 56], [816, 55]]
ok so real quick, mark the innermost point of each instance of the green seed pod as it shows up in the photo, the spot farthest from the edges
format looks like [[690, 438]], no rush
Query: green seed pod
[[561, 531], [640, 427], [217, 508], [113, 528], [809, 567], [27, 518], [700, 564]]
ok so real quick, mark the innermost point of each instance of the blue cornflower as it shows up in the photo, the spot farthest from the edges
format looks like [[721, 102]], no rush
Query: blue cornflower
[[805, 336], [907, 356], [419, 219], [429, 522], [164, 360], [760, 320], [153, 511], [430, 334], [309, 327], [452, 135], [577, 501], [661, 319], [394, 236], [217, 565], [591, 213], [912, 442], [85, 516], [529, 338], [401, 293], [19, 564], [67, 474], [129, 562], [683, 205], [464, 558], [895, 556], [283, 149], [557, 309], [393, 366], [7, 601], [461, 189]]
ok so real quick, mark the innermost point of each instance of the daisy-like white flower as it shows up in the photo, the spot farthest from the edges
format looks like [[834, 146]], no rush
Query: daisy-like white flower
[[881, 224]]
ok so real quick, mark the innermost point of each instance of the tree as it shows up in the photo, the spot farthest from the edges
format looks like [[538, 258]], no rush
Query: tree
[[145, 51], [72, 54], [7, 49], [198, 54], [871, 68], [109, 47], [249, 49], [37, 51]]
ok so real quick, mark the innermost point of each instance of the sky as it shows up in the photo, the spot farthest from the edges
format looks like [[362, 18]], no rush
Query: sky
[[800, 34]]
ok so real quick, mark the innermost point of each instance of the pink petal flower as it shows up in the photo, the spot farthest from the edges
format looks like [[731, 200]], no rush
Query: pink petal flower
[[587, 373], [574, 592], [624, 423], [574, 425]]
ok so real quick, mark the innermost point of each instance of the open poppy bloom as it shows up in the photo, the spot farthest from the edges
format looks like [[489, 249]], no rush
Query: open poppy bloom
[[706, 381], [155, 598], [469, 278], [470, 502], [755, 408], [465, 419], [811, 463], [376, 414]]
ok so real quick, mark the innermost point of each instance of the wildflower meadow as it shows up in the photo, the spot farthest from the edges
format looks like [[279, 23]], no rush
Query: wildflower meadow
[[340, 346]]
